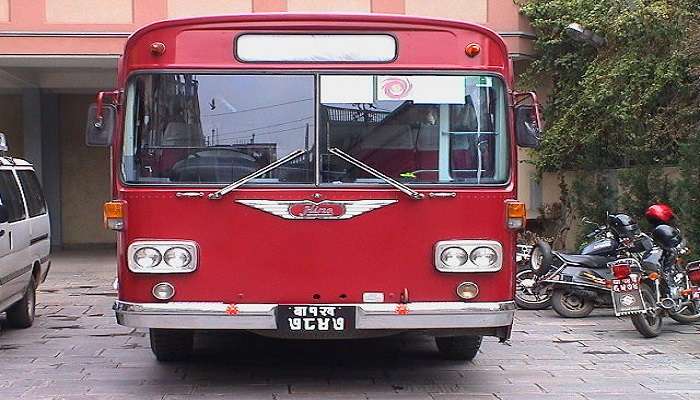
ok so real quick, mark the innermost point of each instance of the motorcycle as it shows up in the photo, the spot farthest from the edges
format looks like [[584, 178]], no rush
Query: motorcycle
[[529, 295], [577, 283], [658, 286]]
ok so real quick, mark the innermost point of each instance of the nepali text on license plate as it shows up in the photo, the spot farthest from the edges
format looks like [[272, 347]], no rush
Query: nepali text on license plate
[[626, 296], [312, 318]]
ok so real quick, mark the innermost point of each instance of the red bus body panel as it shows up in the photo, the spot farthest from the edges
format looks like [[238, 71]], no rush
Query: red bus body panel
[[250, 256]]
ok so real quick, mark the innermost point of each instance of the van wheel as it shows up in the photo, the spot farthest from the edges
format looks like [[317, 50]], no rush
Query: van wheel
[[171, 344], [463, 348], [21, 314]]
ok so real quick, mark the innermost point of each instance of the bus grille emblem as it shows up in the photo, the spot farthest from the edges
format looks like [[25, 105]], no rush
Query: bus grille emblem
[[305, 209]]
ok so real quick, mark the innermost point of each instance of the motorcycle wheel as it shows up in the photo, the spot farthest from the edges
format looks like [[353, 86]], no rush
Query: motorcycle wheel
[[530, 298], [541, 258], [648, 324], [570, 305], [689, 315]]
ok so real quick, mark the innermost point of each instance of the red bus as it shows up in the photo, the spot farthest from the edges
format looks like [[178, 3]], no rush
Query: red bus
[[315, 176]]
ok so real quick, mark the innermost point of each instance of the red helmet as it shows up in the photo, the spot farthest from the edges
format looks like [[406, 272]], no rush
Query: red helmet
[[658, 214]]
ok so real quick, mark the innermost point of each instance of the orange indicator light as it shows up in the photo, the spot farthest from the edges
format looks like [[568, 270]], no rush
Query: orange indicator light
[[401, 309], [515, 214], [113, 213], [232, 309], [157, 48], [472, 50]]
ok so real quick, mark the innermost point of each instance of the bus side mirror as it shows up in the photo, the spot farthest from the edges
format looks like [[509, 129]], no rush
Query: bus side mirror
[[528, 123], [100, 126], [4, 214]]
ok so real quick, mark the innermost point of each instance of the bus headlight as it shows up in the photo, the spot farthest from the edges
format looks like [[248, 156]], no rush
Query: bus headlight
[[483, 257], [468, 256], [454, 257], [177, 257], [162, 256], [147, 257]]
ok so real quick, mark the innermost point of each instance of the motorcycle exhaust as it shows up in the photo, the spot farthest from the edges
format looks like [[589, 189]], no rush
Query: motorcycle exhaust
[[667, 303]]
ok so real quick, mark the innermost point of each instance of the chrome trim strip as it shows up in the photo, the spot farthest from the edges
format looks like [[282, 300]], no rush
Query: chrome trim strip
[[189, 194], [38, 239], [210, 315], [598, 287], [442, 194], [14, 275]]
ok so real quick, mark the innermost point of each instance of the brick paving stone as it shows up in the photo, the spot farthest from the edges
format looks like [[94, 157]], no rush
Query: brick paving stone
[[76, 351]]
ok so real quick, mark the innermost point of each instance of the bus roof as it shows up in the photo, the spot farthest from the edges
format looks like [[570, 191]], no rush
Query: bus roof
[[208, 42]]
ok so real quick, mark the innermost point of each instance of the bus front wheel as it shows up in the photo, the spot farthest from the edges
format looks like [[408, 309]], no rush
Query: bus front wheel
[[463, 348], [171, 344]]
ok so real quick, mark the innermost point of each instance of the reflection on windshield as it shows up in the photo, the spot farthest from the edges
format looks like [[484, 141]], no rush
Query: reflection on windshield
[[416, 130], [218, 128], [209, 128]]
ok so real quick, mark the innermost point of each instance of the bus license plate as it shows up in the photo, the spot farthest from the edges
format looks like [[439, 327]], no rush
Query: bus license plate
[[304, 319], [627, 296]]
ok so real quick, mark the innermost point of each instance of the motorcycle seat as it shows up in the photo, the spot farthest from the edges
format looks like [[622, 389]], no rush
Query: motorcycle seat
[[598, 262]]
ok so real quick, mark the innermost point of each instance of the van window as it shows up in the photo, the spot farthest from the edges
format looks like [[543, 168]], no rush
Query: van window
[[32, 192], [10, 196]]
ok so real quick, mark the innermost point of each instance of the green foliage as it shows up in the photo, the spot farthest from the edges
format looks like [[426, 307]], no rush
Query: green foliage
[[593, 196], [603, 101], [688, 190], [633, 103]]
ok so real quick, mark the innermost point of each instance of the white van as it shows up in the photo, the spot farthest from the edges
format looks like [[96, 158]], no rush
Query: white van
[[24, 239]]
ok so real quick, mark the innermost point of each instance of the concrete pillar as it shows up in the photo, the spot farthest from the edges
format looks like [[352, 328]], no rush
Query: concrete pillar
[[40, 131], [31, 127], [51, 163]]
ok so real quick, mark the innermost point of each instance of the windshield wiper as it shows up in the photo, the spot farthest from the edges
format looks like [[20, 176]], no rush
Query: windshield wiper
[[393, 182], [262, 171]]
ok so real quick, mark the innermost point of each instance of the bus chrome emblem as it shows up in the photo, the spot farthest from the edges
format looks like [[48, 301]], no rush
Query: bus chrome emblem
[[306, 209], [311, 210]]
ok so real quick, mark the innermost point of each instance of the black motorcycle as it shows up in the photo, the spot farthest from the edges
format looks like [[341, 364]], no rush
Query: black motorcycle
[[657, 286], [580, 282]]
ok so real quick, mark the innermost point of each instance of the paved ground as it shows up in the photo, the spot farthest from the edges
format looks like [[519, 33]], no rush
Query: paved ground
[[76, 351]]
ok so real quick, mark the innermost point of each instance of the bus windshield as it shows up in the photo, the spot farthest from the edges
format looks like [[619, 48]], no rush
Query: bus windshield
[[216, 128]]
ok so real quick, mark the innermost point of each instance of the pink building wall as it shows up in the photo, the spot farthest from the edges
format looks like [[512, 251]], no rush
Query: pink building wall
[[100, 27]]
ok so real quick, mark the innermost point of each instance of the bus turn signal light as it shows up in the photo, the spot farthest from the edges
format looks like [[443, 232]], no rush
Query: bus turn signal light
[[472, 50], [114, 215], [515, 214]]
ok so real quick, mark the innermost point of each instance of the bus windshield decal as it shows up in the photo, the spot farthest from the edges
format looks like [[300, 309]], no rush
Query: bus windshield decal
[[422, 89], [315, 48]]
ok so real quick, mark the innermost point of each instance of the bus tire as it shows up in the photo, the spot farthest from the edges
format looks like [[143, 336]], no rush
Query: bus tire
[[171, 344], [21, 314], [463, 348]]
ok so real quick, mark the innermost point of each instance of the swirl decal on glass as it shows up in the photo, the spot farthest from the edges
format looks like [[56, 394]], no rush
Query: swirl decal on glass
[[396, 88]]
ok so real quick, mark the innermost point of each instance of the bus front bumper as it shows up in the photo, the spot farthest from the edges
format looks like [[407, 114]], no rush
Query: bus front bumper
[[368, 316]]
